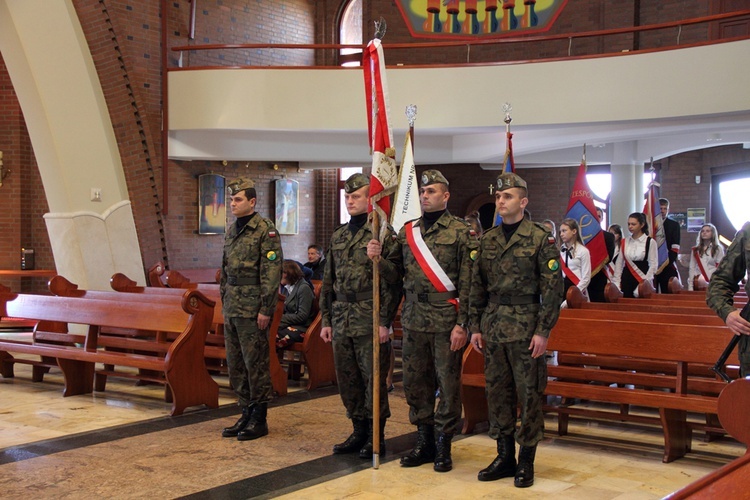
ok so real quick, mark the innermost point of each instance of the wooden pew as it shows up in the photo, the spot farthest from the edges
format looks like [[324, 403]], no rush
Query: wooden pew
[[182, 365], [158, 276], [731, 480], [215, 342], [316, 355], [658, 342]]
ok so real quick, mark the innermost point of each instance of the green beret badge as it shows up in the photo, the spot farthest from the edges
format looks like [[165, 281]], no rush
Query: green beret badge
[[553, 264], [271, 255]]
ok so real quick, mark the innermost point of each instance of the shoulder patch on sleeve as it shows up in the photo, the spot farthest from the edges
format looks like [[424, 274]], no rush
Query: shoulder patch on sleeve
[[272, 233], [553, 264], [551, 240]]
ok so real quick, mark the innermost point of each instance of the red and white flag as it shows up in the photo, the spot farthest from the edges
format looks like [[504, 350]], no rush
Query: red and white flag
[[384, 177]]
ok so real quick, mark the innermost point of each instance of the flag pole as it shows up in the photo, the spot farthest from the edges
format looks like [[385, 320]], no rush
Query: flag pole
[[375, 348], [380, 28]]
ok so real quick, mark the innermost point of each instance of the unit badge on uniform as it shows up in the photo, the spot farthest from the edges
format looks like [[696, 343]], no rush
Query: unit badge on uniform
[[473, 255], [553, 264], [551, 240], [271, 255], [272, 234]]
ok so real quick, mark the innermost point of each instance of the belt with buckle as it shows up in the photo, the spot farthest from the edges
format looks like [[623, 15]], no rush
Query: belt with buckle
[[353, 297], [430, 297], [236, 281], [516, 300]]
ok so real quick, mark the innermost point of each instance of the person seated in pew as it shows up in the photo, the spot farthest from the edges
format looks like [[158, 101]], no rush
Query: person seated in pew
[[724, 285], [705, 255], [315, 262], [297, 306], [549, 224], [638, 257], [575, 259]]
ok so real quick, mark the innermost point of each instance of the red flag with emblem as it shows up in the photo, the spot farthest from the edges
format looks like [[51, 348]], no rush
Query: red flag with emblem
[[581, 208]]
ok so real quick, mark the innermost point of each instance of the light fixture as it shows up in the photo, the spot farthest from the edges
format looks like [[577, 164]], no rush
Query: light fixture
[[3, 172], [697, 179]]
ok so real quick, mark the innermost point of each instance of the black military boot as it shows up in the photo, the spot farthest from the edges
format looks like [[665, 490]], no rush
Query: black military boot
[[366, 451], [504, 464], [424, 450], [443, 460], [356, 440], [257, 426], [230, 432], [525, 471]]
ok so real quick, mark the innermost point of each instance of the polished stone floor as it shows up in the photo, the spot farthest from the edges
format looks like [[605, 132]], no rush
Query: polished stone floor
[[122, 444]]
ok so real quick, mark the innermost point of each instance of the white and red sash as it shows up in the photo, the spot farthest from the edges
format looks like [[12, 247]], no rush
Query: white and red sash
[[634, 269], [573, 277], [427, 262], [700, 264]]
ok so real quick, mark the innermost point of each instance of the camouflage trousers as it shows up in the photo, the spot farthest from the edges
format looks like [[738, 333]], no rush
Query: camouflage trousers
[[430, 364], [248, 360], [353, 359], [514, 378], [744, 355]]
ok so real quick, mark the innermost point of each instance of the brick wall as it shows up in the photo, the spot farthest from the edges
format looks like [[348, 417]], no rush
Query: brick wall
[[549, 188], [578, 16], [22, 204], [189, 250], [244, 22]]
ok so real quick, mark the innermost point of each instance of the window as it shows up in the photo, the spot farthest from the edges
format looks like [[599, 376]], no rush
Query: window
[[344, 174], [350, 32], [601, 185], [733, 195]]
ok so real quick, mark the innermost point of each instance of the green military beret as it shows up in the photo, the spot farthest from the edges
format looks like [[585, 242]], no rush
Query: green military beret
[[433, 177], [240, 184], [509, 180], [355, 182]]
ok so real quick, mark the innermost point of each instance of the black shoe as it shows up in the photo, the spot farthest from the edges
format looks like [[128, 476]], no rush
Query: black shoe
[[356, 439], [257, 426], [443, 461], [424, 451], [366, 451], [525, 471], [504, 464], [230, 432]]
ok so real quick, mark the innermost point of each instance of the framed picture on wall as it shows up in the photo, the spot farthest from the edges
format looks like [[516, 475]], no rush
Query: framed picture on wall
[[287, 206], [212, 208]]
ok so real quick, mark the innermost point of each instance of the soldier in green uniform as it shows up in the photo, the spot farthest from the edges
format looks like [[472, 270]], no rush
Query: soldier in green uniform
[[724, 284], [516, 292], [346, 306], [436, 253], [250, 276]]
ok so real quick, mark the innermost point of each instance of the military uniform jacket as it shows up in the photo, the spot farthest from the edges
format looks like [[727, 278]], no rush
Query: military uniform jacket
[[526, 265], [348, 270], [724, 282], [451, 242], [252, 254]]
